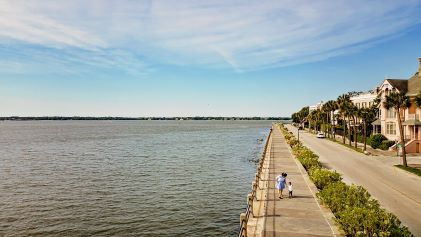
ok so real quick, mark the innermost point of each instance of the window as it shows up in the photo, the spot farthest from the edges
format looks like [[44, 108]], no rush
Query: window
[[391, 128], [391, 113]]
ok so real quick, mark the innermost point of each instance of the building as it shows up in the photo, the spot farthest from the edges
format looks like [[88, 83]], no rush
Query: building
[[387, 124], [315, 107], [364, 100]]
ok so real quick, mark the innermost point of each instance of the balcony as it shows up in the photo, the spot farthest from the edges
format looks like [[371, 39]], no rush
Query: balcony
[[413, 117]]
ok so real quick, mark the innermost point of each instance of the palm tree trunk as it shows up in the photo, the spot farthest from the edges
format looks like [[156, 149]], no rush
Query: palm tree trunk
[[349, 131], [402, 139], [365, 135], [333, 125], [327, 125], [344, 128], [355, 131]]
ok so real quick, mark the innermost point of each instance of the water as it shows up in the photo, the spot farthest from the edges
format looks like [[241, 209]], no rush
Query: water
[[126, 178]]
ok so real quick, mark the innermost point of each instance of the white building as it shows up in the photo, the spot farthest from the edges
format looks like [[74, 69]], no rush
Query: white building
[[315, 107], [364, 100]]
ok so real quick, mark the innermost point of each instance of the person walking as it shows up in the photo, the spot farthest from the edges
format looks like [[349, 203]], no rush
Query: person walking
[[289, 190], [280, 184]]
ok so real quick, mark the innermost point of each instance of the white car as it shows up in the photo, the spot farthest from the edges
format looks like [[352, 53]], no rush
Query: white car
[[320, 135]]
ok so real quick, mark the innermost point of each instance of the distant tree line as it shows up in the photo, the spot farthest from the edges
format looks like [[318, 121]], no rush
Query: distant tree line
[[18, 118]]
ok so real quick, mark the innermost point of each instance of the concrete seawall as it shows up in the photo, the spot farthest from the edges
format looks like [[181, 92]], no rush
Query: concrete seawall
[[267, 214]]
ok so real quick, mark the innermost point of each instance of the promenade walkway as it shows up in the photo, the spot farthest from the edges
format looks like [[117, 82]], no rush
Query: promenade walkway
[[298, 216]]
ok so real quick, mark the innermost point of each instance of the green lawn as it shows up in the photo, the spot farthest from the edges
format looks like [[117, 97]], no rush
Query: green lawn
[[410, 169]]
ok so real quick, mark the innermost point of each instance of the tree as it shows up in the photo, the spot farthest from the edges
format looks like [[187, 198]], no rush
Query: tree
[[349, 111], [354, 113], [367, 115], [311, 117], [300, 116], [342, 102], [329, 107], [399, 102]]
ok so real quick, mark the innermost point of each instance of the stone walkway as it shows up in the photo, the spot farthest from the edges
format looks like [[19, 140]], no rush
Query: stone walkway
[[298, 216]]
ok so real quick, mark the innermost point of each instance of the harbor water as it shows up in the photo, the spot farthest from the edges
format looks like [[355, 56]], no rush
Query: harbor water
[[126, 178]]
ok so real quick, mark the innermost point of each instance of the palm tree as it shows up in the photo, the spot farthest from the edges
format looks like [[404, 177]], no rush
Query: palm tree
[[354, 116], [399, 102], [329, 107], [311, 119], [367, 116], [349, 111], [342, 103]]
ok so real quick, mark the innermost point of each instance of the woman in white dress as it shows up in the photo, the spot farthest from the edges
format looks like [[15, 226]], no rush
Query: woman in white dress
[[280, 184]]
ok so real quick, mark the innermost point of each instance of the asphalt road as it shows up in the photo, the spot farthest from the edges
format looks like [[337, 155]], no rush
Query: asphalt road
[[397, 190]]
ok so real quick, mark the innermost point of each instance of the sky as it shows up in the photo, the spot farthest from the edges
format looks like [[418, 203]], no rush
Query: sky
[[198, 58]]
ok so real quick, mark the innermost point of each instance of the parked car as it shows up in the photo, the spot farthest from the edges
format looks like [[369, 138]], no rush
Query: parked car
[[320, 135]]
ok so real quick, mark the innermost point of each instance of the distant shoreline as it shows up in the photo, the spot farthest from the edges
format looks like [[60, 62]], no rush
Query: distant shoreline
[[30, 118]]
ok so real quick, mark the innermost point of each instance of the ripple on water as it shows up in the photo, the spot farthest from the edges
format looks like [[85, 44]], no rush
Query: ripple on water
[[126, 178]]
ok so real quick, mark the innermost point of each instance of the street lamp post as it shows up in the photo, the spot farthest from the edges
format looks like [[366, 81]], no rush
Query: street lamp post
[[298, 131]]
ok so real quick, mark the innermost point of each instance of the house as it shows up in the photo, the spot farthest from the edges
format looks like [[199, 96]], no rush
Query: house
[[317, 106], [387, 124], [364, 100]]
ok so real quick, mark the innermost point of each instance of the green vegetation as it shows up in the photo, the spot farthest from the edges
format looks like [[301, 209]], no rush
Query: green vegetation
[[323, 177], [17, 118], [386, 144], [410, 169], [355, 211], [350, 121], [376, 140], [399, 102]]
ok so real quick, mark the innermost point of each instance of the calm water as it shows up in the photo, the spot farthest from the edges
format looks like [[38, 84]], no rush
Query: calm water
[[126, 178]]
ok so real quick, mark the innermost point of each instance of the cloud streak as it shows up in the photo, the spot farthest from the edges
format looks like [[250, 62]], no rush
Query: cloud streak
[[243, 35]]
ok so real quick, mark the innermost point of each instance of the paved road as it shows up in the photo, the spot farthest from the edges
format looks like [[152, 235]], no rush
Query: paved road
[[397, 191]]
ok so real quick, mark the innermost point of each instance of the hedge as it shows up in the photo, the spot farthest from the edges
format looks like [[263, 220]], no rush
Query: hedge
[[386, 144], [376, 140], [355, 211]]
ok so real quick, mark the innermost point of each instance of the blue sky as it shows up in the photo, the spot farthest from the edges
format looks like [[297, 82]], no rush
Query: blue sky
[[193, 58]]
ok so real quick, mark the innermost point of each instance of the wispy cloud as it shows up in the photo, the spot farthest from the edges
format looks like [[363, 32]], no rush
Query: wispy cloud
[[243, 35]]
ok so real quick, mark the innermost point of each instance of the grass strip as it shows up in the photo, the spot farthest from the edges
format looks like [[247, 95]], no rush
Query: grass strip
[[410, 169]]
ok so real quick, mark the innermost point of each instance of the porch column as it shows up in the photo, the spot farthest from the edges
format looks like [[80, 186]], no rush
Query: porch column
[[414, 133]]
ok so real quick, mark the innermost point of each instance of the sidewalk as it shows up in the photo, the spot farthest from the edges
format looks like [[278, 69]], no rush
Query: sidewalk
[[298, 216]]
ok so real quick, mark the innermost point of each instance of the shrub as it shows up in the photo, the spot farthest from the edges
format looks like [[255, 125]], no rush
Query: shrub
[[386, 144], [360, 138], [323, 177], [369, 141], [309, 162], [338, 196], [376, 140], [358, 214], [358, 221], [292, 142], [306, 157]]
